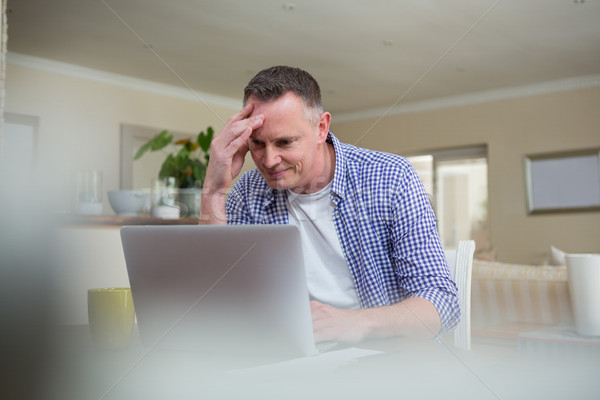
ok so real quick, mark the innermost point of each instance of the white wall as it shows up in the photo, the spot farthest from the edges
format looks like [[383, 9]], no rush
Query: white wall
[[79, 122]]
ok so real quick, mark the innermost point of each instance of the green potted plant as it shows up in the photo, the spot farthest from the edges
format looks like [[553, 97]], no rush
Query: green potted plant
[[188, 164], [186, 161]]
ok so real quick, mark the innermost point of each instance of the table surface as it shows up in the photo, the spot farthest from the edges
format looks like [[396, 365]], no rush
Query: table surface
[[494, 369], [116, 220]]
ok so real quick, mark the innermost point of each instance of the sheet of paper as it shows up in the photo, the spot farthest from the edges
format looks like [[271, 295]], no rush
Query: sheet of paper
[[321, 363]]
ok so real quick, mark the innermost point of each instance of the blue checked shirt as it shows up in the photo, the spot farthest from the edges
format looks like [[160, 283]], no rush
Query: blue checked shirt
[[384, 221]]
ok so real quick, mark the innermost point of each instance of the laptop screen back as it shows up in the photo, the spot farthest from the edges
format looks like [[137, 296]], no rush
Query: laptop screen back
[[230, 290]]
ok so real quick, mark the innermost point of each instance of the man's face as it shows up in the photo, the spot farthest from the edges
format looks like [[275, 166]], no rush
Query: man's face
[[287, 144]]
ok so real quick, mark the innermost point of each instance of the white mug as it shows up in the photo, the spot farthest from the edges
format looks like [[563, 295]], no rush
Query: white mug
[[583, 271]]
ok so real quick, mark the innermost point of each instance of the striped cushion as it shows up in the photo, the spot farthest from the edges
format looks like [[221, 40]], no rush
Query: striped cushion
[[505, 293]]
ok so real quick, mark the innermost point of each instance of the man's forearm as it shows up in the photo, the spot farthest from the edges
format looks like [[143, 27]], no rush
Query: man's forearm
[[414, 317]]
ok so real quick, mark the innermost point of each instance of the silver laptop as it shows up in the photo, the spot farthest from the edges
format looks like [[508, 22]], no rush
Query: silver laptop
[[231, 291]]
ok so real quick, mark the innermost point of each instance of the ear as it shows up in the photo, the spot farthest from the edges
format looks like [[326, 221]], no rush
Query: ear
[[323, 127]]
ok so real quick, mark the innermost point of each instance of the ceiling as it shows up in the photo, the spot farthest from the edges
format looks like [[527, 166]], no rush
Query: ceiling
[[365, 54]]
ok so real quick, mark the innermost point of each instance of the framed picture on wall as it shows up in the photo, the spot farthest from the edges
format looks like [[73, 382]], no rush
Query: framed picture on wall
[[563, 182]]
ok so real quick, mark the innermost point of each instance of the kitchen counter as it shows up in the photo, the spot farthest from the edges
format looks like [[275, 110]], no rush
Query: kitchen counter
[[89, 254], [116, 220]]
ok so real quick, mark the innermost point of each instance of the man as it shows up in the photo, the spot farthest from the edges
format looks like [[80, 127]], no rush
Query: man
[[375, 266]]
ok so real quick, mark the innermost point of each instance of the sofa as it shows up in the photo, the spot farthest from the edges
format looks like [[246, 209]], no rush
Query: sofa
[[504, 293]]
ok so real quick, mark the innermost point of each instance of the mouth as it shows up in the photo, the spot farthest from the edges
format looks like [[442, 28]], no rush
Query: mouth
[[276, 174]]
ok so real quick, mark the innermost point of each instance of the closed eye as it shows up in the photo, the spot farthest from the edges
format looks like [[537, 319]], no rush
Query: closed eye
[[281, 142], [285, 142], [255, 142]]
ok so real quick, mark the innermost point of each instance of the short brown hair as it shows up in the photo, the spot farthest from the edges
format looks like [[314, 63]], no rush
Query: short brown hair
[[272, 83]]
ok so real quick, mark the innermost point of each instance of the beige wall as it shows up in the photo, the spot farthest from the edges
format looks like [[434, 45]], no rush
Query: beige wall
[[80, 123], [80, 129], [511, 129]]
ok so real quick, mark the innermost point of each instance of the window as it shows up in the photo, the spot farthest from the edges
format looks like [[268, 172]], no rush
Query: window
[[456, 181]]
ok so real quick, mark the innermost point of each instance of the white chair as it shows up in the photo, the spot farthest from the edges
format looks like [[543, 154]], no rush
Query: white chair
[[460, 262]]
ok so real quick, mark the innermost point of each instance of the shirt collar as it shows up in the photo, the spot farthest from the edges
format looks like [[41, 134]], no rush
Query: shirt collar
[[339, 183]]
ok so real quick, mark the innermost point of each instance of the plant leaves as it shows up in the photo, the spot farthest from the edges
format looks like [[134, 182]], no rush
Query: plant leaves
[[161, 140], [204, 140], [141, 151], [158, 142], [187, 166]]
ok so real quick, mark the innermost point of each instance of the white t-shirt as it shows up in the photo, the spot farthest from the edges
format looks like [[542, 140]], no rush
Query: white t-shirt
[[327, 273]]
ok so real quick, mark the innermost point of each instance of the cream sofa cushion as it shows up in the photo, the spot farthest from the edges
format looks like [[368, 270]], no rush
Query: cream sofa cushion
[[505, 293]]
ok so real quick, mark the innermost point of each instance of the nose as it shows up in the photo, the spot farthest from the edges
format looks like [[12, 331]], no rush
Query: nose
[[270, 157]]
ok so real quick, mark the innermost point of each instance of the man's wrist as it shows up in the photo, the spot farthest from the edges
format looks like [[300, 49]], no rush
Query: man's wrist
[[413, 317], [212, 210]]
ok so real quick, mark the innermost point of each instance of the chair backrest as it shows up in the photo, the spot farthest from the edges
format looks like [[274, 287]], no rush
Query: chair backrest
[[460, 262]]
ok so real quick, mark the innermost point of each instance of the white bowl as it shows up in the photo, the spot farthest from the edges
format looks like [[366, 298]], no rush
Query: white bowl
[[127, 202]]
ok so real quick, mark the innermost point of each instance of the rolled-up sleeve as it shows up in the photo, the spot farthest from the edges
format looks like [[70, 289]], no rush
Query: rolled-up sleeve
[[421, 267]]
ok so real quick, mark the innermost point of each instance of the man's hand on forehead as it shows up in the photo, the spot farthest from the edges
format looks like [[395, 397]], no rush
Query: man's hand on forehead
[[229, 147]]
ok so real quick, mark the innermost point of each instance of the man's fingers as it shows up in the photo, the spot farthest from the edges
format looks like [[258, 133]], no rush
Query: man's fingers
[[243, 117], [241, 134], [242, 114], [322, 331], [237, 124], [235, 136], [240, 144], [240, 128]]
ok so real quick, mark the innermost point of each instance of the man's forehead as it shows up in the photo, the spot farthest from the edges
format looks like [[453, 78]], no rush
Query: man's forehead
[[276, 136], [289, 101]]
